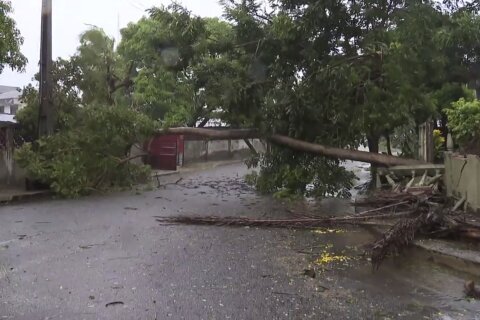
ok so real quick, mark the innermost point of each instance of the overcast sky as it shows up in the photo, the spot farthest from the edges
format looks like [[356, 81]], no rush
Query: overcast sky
[[70, 18]]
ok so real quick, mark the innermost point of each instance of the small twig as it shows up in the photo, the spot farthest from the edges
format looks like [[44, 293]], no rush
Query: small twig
[[114, 303], [171, 183], [125, 160], [459, 203], [382, 208], [286, 293]]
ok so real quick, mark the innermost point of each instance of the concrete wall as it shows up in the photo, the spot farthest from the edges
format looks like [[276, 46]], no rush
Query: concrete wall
[[11, 175], [462, 178], [137, 150], [426, 150], [199, 150]]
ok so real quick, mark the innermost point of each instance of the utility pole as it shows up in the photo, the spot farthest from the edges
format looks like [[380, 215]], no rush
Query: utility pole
[[46, 111]]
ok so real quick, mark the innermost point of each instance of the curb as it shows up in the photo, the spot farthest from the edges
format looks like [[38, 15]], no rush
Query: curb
[[444, 253], [23, 197], [185, 170]]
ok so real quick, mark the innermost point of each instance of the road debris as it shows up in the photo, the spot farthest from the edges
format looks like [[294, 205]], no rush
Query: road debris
[[413, 211], [114, 303], [310, 273], [471, 291]]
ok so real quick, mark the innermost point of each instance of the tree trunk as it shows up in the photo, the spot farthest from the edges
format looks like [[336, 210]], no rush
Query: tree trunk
[[203, 123], [298, 145], [389, 144], [373, 142], [251, 147]]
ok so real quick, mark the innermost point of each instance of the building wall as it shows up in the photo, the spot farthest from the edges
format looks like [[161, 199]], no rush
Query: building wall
[[462, 178], [10, 173], [203, 150]]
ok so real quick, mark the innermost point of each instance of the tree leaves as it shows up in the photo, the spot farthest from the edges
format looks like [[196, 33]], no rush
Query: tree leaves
[[91, 154], [10, 40]]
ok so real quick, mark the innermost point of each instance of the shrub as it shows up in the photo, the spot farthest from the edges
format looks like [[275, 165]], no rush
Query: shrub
[[464, 123], [439, 143], [91, 155]]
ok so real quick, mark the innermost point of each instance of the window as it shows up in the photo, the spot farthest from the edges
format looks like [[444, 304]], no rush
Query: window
[[14, 109]]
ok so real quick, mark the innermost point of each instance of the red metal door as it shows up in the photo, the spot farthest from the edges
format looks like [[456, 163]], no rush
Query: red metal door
[[163, 153]]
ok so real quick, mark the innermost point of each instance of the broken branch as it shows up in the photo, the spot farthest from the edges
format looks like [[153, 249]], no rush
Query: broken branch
[[295, 144]]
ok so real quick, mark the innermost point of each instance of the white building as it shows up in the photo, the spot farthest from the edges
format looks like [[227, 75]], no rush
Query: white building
[[10, 100]]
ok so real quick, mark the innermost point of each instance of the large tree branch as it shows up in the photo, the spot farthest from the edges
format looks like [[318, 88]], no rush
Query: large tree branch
[[126, 82], [212, 134], [295, 144], [204, 122]]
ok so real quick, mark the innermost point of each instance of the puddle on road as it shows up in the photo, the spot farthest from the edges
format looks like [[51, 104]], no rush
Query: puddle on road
[[424, 287]]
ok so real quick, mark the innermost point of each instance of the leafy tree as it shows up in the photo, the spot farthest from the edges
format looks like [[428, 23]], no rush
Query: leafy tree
[[102, 71], [187, 67], [10, 41], [91, 155], [66, 99], [161, 49], [464, 122], [349, 70]]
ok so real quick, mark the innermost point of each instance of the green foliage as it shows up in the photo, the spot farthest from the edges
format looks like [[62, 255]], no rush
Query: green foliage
[[464, 123], [405, 138], [439, 144], [105, 77], [91, 154], [185, 73], [10, 40], [251, 178], [162, 47], [286, 171], [343, 71], [66, 99]]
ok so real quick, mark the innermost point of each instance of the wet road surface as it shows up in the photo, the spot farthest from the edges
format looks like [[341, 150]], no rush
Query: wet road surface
[[105, 257]]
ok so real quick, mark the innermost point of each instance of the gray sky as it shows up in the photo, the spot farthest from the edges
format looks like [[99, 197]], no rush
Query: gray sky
[[70, 19]]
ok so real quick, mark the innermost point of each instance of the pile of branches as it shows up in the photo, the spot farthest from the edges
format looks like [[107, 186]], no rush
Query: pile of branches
[[408, 216]]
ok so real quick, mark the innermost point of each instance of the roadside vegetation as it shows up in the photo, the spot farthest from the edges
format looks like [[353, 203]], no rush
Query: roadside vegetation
[[340, 74]]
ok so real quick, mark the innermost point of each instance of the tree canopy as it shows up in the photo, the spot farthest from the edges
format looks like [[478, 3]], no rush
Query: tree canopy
[[10, 40]]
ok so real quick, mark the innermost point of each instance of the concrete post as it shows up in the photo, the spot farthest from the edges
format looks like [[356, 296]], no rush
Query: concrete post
[[45, 115], [206, 150]]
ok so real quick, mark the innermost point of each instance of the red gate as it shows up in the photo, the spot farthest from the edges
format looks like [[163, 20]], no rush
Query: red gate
[[163, 152]]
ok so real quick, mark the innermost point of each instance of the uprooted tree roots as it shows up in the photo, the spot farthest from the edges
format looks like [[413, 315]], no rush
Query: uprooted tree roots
[[411, 216]]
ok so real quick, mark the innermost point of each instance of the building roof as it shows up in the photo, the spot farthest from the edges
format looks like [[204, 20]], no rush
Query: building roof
[[4, 89], [10, 95], [7, 119]]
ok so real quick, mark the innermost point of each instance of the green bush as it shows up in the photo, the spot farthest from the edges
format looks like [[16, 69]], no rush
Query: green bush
[[91, 155], [439, 144], [464, 123], [286, 174]]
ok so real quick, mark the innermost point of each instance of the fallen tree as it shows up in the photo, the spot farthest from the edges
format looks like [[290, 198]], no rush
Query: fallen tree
[[295, 144], [92, 154]]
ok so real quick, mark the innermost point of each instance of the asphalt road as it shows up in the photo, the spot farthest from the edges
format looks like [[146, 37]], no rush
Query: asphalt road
[[105, 257]]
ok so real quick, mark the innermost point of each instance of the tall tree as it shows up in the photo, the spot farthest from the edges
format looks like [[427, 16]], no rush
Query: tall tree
[[103, 74], [10, 40], [66, 99]]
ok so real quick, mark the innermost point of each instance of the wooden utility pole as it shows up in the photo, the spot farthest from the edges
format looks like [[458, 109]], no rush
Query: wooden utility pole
[[46, 111]]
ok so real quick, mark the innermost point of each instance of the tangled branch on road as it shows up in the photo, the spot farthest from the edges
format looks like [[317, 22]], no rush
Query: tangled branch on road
[[294, 223], [412, 216]]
